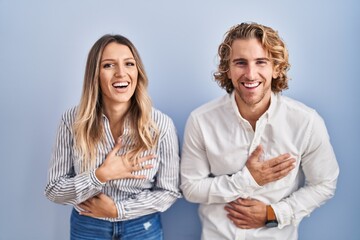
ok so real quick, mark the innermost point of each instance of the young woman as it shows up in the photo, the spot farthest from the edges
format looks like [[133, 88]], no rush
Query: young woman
[[116, 158]]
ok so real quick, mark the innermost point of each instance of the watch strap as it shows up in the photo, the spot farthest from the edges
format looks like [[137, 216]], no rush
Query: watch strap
[[270, 214]]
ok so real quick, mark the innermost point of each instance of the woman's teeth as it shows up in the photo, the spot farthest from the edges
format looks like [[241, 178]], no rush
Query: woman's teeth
[[121, 84]]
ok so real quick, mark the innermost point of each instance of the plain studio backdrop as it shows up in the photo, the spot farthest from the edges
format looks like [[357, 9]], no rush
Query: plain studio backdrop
[[43, 49]]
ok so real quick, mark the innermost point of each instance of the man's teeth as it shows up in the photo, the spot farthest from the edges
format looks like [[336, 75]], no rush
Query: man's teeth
[[121, 84], [251, 85]]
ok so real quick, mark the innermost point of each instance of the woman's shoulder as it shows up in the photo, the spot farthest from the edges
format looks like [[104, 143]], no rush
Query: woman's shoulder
[[69, 115], [162, 120]]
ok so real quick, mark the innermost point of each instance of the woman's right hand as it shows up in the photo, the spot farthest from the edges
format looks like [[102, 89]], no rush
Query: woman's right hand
[[118, 167]]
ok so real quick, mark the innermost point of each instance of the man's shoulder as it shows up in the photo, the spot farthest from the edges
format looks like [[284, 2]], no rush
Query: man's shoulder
[[212, 107], [295, 106]]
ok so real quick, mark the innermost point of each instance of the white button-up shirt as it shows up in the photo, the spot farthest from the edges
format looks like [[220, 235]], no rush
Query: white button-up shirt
[[217, 144]]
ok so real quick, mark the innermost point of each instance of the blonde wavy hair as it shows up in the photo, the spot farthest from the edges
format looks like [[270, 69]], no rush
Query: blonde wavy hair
[[271, 42], [88, 126]]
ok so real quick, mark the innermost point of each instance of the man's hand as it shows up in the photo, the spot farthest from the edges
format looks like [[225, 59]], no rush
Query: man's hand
[[270, 170], [99, 206], [118, 167], [247, 213]]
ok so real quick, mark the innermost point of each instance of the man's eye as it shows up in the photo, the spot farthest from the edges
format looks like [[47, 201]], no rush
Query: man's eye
[[130, 64], [261, 62], [240, 63]]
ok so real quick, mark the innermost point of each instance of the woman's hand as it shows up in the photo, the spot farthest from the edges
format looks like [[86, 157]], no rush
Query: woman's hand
[[99, 206], [118, 167]]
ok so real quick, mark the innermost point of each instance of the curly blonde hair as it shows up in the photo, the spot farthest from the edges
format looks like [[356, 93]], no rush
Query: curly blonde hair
[[88, 126], [271, 42]]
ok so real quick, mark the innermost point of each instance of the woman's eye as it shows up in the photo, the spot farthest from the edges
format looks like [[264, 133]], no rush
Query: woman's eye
[[108, 65], [130, 64]]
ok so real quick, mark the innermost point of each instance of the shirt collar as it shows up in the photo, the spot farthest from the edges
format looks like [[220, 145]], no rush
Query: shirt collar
[[267, 114], [126, 124]]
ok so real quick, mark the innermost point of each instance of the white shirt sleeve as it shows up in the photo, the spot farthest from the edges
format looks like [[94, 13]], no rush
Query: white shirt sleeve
[[198, 183], [320, 170]]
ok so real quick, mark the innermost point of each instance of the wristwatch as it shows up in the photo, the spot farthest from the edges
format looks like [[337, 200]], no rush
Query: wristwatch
[[270, 217]]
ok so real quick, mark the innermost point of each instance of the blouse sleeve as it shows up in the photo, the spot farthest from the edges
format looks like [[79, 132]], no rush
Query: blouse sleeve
[[64, 186]]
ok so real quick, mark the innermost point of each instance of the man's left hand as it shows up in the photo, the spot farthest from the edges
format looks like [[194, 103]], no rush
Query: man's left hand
[[247, 213]]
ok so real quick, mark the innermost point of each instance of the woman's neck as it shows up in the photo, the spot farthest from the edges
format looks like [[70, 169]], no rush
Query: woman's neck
[[116, 116]]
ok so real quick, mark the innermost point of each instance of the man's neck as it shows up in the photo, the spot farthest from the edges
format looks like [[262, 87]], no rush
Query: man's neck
[[252, 112]]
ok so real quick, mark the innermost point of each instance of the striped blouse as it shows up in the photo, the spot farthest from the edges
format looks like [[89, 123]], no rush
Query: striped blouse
[[68, 184]]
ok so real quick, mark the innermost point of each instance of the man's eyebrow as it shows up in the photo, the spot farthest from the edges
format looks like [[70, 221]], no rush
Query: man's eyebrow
[[256, 59], [263, 59], [239, 59]]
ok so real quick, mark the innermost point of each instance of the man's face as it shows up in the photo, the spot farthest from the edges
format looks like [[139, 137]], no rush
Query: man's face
[[251, 72]]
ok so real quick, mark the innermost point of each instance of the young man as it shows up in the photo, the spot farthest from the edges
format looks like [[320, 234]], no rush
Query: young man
[[256, 161]]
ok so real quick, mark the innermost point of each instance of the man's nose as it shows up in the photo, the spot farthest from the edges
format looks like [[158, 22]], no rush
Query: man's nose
[[250, 72]]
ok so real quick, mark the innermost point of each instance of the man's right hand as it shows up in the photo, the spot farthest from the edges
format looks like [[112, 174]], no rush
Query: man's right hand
[[270, 170]]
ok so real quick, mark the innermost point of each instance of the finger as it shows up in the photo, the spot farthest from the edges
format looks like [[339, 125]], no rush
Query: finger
[[240, 223], [88, 214], [255, 155], [127, 163], [278, 160], [247, 202], [144, 167], [234, 213], [141, 167], [280, 174], [238, 208], [146, 158], [137, 176], [147, 166], [84, 207], [285, 166], [85, 203]]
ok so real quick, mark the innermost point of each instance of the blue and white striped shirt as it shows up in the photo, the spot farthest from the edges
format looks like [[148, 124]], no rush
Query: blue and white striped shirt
[[68, 184]]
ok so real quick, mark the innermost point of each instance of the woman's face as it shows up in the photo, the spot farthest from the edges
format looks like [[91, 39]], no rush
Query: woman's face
[[118, 75]]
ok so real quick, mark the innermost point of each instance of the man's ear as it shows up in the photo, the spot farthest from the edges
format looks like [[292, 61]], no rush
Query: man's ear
[[276, 72], [228, 74]]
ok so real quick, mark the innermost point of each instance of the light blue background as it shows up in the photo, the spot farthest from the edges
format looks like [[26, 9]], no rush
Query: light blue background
[[43, 49]]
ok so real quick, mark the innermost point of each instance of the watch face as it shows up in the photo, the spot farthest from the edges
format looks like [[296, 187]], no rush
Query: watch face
[[272, 223]]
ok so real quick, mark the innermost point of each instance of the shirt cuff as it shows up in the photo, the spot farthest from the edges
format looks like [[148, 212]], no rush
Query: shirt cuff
[[95, 180], [284, 214], [245, 181]]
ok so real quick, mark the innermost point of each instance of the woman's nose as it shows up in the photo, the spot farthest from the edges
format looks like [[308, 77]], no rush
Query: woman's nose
[[120, 71]]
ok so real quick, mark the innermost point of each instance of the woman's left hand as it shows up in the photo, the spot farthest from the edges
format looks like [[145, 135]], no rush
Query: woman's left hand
[[99, 206]]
